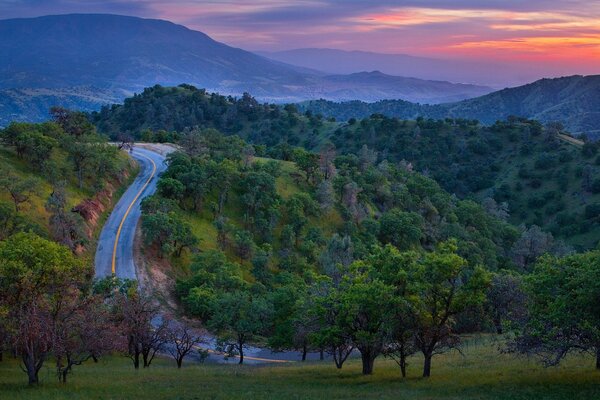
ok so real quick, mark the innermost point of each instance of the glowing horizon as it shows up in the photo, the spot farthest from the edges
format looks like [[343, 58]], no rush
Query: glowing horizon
[[562, 33]]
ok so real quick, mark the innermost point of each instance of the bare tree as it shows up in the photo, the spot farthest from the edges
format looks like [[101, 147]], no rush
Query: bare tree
[[182, 341], [83, 330], [143, 340]]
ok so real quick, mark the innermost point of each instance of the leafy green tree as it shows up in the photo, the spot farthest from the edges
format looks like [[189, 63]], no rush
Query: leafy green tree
[[240, 317], [21, 190], [261, 201], [74, 123], [170, 188], [367, 304], [168, 232], [442, 286], [562, 309], [36, 276], [402, 229]]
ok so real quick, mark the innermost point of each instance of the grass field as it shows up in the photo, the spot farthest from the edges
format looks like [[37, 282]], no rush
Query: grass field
[[480, 373]]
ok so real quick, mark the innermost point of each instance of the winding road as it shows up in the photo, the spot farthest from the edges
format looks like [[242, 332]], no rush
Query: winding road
[[114, 254]]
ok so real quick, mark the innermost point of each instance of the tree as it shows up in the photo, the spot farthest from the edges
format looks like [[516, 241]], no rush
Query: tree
[[66, 228], [84, 330], [532, 244], [307, 162], [393, 268], [366, 306], [170, 188], [169, 232], [442, 286], [400, 228], [143, 340], [74, 123], [505, 300], [36, 275], [562, 309], [239, 317], [182, 340], [261, 200], [327, 310], [325, 195], [196, 184], [20, 189]]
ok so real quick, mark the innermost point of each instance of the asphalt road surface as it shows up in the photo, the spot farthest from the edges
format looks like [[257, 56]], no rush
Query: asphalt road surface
[[114, 254]]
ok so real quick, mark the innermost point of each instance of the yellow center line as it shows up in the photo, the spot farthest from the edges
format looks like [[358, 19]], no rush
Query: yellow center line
[[118, 235]]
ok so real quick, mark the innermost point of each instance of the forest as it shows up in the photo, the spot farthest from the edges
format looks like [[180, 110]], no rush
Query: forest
[[517, 164]]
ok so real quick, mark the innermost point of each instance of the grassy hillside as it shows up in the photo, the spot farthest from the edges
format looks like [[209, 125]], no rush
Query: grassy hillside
[[53, 199], [544, 180], [479, 373]]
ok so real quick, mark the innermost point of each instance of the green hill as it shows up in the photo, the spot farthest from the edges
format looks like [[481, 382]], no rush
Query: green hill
[[58, 181], [543, 180], [574, 101]]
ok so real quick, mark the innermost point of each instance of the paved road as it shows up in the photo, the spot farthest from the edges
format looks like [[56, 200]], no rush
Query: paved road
[[115, 245]]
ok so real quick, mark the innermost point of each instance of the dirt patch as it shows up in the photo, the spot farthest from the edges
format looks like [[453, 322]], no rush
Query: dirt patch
[[152, 274]]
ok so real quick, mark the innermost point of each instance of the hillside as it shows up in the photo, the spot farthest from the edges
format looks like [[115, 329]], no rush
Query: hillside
[[54, 186], [517, 161], [573, 101]]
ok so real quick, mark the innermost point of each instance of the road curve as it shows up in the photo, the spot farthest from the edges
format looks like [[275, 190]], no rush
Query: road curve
[[114, 253]]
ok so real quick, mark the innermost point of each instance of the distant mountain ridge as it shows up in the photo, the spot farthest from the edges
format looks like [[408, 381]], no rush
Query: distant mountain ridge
[[572, 100], [335, 61], [118, 55]]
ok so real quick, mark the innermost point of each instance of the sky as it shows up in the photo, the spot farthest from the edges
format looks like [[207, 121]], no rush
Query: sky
[[565, 33]]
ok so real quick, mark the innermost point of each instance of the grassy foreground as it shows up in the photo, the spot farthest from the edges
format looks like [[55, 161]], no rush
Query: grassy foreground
[[481, 373]]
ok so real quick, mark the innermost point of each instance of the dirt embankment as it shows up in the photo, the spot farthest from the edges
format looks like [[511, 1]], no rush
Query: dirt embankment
[[92, 209]]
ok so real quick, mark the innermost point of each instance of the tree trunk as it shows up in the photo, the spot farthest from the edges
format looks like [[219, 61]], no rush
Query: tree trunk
[[368, 360], [179, 362], [321, 355], [427, 366], [241, 349], [598, 358], [498, 324], [30, 367], [1, 355], [136, 360], [304, 351], [403, 364]]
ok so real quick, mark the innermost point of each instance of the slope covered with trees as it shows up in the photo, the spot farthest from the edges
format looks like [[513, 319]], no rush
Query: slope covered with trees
[[519, 169], [327, 252], [572, 100]]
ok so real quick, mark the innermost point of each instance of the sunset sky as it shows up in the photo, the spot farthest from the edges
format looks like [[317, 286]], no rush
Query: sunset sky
[[565, 33]]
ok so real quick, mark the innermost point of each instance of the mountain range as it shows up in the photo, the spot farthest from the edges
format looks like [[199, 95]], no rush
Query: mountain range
[[106, 57], [334, 61], [84, 61], [573, 101]]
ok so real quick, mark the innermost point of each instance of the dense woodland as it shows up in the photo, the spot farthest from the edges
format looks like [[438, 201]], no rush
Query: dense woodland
[[518, 165], [341, 253]]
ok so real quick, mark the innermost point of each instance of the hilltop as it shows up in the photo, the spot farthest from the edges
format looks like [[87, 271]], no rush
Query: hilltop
[[574, 101]]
